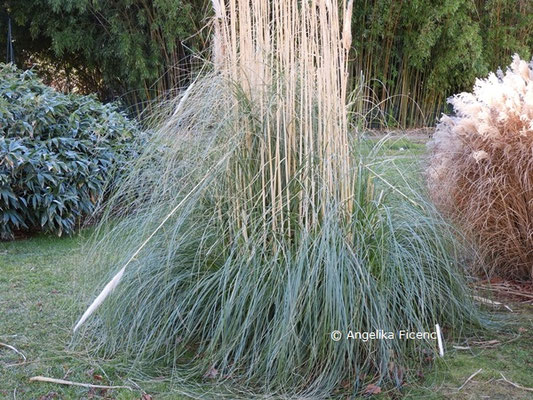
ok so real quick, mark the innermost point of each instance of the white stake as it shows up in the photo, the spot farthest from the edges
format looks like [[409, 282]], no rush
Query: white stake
[[439, 340]]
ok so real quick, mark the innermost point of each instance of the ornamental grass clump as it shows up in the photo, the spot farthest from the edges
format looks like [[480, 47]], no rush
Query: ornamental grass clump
[[251, 227], [481, 171]]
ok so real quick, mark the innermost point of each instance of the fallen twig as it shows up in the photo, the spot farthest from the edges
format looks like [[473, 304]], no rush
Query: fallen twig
[[470, 378], [462, 347], [507, 290], [15, 350], [37, 360], [514, 384], [487, 344], [70, 383], [491, 302]]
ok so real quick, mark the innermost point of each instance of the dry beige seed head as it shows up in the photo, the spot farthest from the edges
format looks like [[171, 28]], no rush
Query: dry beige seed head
[[289, 58], [480, 155]]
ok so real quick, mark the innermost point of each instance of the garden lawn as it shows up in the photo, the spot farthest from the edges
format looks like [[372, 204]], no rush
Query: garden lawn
[[39, 306]]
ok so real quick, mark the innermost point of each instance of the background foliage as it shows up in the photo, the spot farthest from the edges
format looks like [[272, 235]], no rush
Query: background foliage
[[56, 153], [408, 56], [417, 53], [133, 49]]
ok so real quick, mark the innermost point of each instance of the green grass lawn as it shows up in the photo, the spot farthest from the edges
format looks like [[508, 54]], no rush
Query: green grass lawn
[[39, 305], [38, 308]]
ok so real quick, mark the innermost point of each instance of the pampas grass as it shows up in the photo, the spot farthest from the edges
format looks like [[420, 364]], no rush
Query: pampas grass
[[283, 233], [481, 171]]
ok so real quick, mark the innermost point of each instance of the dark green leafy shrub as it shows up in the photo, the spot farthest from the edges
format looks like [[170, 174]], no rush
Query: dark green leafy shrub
[[57, 153]]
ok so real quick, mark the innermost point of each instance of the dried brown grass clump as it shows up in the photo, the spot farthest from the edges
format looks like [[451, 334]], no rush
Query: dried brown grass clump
[[481, 168]]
